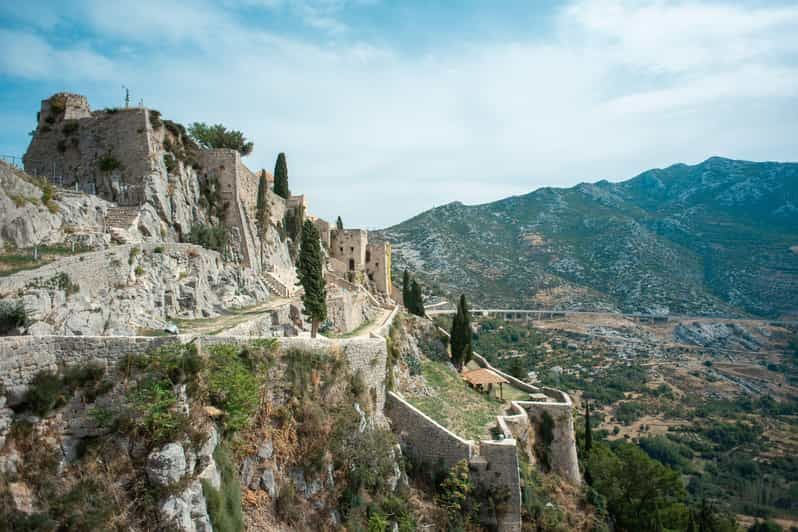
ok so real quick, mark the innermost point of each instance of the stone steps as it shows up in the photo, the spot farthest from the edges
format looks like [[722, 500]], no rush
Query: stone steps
[[122, 217]]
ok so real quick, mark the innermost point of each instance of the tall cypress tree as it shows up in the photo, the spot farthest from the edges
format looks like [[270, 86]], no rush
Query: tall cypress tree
[[406, 290], [339, 224], [416, 299], [588, 429], [262, 205], [281, 177], [311, 277], [460, 335]]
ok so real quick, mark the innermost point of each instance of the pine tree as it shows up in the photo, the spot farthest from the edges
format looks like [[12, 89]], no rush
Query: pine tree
[[309, 270], [262, 206], [406, 290], [339, 224], [588, 429], [460, 336], [416, 299], [281, 177]]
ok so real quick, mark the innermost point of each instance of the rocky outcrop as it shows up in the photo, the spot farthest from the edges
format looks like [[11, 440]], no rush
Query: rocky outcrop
[[129, 289], [26, 220], [716, 335]]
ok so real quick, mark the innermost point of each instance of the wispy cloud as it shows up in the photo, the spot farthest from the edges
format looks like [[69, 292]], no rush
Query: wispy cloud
[[376, 133]]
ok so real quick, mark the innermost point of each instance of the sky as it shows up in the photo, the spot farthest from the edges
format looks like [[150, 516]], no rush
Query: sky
[[386, 108]]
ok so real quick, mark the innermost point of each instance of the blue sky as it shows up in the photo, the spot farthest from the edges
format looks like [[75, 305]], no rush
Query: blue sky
[[388, 108]]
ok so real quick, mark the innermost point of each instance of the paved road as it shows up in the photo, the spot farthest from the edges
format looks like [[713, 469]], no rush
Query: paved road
[[557, 313]]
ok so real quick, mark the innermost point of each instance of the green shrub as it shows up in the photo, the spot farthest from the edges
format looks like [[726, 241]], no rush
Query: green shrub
[[233, 385], [208, 236], [456, 497], [86, 506], [70, 127], [134, 252], [155, 119], [13, 315], [170, 162], [157, 249], [139, 271], [45, 392], [108, 163], [287, 505], [224, 504]]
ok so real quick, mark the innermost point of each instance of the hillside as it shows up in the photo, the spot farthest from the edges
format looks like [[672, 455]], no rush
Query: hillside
[[716, 238]]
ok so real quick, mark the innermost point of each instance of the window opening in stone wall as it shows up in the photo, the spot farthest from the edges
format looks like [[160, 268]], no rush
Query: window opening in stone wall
[[351, 265], [368, 256]]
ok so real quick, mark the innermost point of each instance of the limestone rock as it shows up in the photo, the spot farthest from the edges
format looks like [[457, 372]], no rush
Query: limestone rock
[[268, 482], [167, 465], [21, 496], [265, 450]]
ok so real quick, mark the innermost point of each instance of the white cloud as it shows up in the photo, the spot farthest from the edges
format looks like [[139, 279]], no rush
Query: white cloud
[[376, 134]]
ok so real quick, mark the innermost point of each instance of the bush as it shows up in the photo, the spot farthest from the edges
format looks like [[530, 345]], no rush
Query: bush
[[233, 385], [456, 497], [13, 315], [46, 392], [170, 162], [70, 127], [108, 163], [218, 136], [208, 236], [157, 249], [155, 119], [224, 504]]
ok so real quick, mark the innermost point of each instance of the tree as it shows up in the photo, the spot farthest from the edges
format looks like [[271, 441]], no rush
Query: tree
[[309, 270], [460, 337], [588, 428], [416, 299], [339, 224], [218, 136], [262, 206], [281, 177], [406, 290], [641, 492]]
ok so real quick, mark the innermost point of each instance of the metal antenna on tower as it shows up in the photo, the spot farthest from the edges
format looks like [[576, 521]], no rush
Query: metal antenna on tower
[[127, 96]]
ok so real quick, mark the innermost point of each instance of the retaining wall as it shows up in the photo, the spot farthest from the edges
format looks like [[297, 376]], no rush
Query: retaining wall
[[22, 357]]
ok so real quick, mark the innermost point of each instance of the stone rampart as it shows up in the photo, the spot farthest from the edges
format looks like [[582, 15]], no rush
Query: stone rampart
[[423, 439], [501, 477], [22, 357], [562, 450]]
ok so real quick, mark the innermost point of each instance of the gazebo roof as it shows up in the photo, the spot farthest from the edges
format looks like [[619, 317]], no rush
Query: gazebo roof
[[484, 376]]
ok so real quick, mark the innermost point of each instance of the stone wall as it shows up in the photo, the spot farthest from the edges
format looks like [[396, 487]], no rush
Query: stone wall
[[69, 150], [21, 357], [378, 265], [349, 246], [423, 439], [562, 451], [500, 475], [347, 310]]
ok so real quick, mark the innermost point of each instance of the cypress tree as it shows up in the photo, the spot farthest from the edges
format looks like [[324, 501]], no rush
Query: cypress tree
[[416, 299], [262, 206], [309, 270], [588, 429], [281, 177], [460, 336], [406, 290], [339, 224]]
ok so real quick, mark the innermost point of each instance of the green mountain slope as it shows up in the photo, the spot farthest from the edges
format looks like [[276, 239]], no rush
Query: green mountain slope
[[715, 238]]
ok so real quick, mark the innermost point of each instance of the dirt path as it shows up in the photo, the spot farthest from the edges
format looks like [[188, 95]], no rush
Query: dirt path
[[230, 319]]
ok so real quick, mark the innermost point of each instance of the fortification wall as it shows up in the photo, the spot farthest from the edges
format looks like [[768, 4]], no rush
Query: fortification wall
[[562, 451], [501, 476], [22, 357], [70, 150], [424, 440]]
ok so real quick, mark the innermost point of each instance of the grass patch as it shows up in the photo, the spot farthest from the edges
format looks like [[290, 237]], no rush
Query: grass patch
[[224, 504], [461, 409]]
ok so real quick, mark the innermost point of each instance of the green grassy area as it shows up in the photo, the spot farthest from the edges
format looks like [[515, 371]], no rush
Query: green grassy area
[[463, 410]]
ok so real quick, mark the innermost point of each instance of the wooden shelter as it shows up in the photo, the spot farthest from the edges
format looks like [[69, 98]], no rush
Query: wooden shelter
[[479, 378]]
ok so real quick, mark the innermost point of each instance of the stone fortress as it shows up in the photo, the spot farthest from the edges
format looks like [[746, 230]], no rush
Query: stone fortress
[[131, 185], [159, 184]]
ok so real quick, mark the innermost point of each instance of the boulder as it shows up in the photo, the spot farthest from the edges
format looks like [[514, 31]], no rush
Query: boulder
[[167, 465]]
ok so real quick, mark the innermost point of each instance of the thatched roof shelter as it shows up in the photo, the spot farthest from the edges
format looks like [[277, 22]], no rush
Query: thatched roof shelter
[[485, 377]]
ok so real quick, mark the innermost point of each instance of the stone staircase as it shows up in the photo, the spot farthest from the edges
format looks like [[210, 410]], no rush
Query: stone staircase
[[275, 285], [118, 220]]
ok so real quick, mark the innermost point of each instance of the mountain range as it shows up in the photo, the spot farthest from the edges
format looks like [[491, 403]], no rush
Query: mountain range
[[716, 238]]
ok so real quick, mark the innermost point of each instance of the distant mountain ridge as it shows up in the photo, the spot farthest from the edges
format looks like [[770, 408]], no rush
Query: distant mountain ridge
[[716, 238]]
